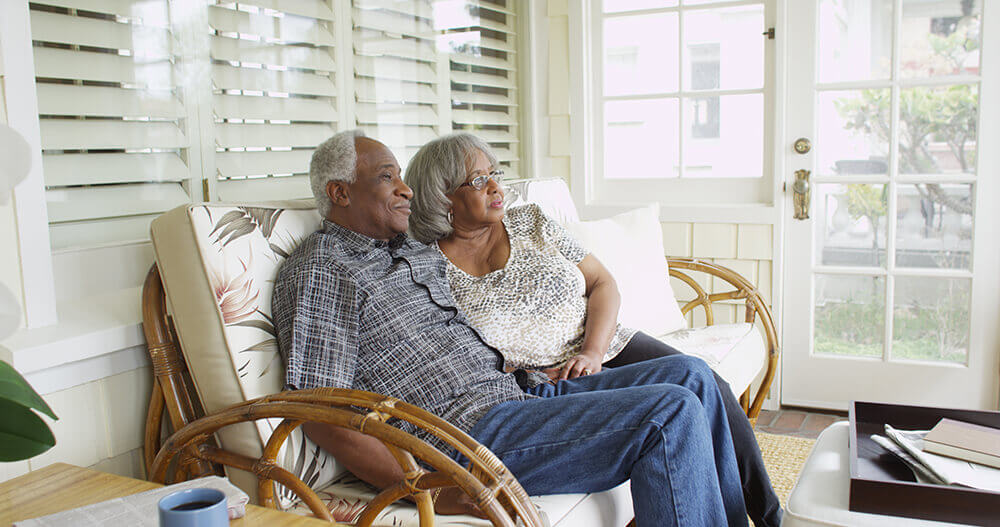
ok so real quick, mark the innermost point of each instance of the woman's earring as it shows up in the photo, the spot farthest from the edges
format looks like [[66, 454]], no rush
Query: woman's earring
[[450, 217]]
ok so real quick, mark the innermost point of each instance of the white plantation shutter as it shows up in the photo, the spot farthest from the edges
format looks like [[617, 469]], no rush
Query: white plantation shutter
[[148, 104], [274, 95], [113, 125], [400, 84], [481, 39]]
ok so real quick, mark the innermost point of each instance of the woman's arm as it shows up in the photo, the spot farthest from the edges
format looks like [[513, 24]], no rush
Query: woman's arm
[[603, 301]]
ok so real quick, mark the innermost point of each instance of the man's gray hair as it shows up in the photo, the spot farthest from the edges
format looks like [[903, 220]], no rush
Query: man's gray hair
[[334, 160], [437, 169]]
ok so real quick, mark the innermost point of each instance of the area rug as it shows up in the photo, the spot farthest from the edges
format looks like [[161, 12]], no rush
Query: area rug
[[784, 457]]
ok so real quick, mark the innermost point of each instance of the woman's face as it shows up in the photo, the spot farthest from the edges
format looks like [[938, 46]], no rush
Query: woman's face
[[471, 208]]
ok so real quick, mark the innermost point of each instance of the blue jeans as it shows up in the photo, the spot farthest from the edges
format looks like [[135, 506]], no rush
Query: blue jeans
[[660, 423]]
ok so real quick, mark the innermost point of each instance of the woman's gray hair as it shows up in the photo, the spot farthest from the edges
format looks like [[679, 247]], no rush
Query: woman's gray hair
[[334, 160], [437, 169]]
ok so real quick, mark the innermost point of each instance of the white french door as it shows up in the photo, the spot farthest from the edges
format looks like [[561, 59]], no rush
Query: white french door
[[892, 284]]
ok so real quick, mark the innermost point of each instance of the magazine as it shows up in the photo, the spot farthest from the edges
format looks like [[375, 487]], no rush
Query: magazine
[[908, 446]]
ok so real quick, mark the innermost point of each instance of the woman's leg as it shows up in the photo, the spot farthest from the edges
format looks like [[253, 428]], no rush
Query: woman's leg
[[761, 501]]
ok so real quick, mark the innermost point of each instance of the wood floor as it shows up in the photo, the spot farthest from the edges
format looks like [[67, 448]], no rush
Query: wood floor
[[797, 422]]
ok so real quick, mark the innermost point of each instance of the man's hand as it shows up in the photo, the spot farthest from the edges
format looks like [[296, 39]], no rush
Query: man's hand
[[452, 500]]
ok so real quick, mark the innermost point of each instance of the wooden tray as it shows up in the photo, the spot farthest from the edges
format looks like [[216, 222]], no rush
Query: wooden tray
[[882, 484]]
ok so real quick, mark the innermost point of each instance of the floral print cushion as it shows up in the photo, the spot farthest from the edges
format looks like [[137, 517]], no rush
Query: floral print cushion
[[242, 248]]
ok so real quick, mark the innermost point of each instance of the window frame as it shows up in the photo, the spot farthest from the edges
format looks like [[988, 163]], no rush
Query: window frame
[[747, 200]]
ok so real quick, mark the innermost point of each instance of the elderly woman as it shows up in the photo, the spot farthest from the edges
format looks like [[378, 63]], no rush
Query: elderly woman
[[535, 294]]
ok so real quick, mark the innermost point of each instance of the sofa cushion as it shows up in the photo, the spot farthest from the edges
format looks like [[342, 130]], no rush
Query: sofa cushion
[[735, 351], [347, 496], [218, 264], [630, 245]]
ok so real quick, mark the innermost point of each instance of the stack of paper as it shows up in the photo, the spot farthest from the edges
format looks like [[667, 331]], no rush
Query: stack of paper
[[909, 446]]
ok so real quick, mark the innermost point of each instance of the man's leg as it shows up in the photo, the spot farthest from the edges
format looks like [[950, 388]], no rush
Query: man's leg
[[657, 436], [682, 370], [758, 493]]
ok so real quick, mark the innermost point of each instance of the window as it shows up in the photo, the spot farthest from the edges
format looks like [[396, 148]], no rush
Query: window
[[681, 101], [147, 105]]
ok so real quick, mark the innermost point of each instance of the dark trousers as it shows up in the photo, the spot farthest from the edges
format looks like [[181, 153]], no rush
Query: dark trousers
[[761, 501]]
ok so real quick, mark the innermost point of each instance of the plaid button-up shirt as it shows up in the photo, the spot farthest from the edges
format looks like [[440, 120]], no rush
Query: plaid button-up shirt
[[354, 312]]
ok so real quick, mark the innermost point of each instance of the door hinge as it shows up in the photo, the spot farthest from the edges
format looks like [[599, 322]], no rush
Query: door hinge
[[769, 33]]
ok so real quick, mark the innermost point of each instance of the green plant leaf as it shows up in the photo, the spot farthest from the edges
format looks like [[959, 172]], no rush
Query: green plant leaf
[[15, 389], [23, 434]]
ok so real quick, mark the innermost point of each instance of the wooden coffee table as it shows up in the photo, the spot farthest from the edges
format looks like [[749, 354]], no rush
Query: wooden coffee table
[[59, 487]]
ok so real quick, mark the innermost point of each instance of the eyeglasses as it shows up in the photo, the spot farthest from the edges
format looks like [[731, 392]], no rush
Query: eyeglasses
[[480, 182]]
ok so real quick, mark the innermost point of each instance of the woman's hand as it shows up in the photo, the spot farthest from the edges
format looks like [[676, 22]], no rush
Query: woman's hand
[[586, 363]]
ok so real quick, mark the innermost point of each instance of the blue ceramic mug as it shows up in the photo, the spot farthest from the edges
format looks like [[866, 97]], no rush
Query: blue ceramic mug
[[194, 508]]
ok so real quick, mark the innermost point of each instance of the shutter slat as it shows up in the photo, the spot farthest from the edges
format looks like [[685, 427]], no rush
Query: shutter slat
[[394, 24], [486, 62], [416, 9], [481, 117], [86, 203], [95, 169], [391, 68], [286, 29], [66, 29], [153, 13], [272, 135], [495, 136], [308, 8], [103, 67], [65, 134], [265, 189], [228, 77], [468, 97], [229, 49], [64, 99], [482, 79], [376, 91], [398, 136], [395, 47], [504, 155], [408, 114], [273, 108], [237, 164], [94, 233]]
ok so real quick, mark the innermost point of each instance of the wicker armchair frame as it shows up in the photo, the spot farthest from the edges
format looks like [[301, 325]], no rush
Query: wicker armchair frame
[[755, 308], [190, 452]]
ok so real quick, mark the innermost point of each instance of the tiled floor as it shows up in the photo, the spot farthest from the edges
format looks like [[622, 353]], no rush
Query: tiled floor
[[797, 422]]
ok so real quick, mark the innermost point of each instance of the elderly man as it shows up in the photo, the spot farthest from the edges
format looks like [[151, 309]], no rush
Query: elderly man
[[360, 305]]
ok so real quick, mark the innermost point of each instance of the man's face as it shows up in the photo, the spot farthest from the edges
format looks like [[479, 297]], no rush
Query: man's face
[[379, 200]]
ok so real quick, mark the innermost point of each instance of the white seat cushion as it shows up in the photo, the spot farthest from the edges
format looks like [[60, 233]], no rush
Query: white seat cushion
[[735, 351], [347, 496]]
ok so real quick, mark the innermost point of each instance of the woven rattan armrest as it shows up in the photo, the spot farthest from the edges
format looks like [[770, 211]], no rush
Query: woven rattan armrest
[[756, 312]]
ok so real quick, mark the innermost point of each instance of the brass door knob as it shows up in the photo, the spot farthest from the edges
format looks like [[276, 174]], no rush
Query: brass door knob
[[802, 146], [801, 194]]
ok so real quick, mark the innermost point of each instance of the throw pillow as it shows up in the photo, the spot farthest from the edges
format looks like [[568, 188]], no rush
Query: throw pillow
[[630, 245]]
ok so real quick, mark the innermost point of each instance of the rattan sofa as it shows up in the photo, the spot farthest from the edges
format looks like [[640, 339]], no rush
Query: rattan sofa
[[206, 312]]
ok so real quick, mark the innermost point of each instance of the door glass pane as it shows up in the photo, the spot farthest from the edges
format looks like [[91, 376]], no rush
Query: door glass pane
[[855, 40], [617, 6], [940, 38], [640, 139], [723, 48], [849, 315], [723, 136], [853, 129], [937, 129], [640, 54], [850, 223], [931, 318], [935, 226]]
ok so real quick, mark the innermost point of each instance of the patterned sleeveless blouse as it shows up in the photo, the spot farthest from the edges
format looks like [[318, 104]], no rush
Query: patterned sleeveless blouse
[[533, 309]]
